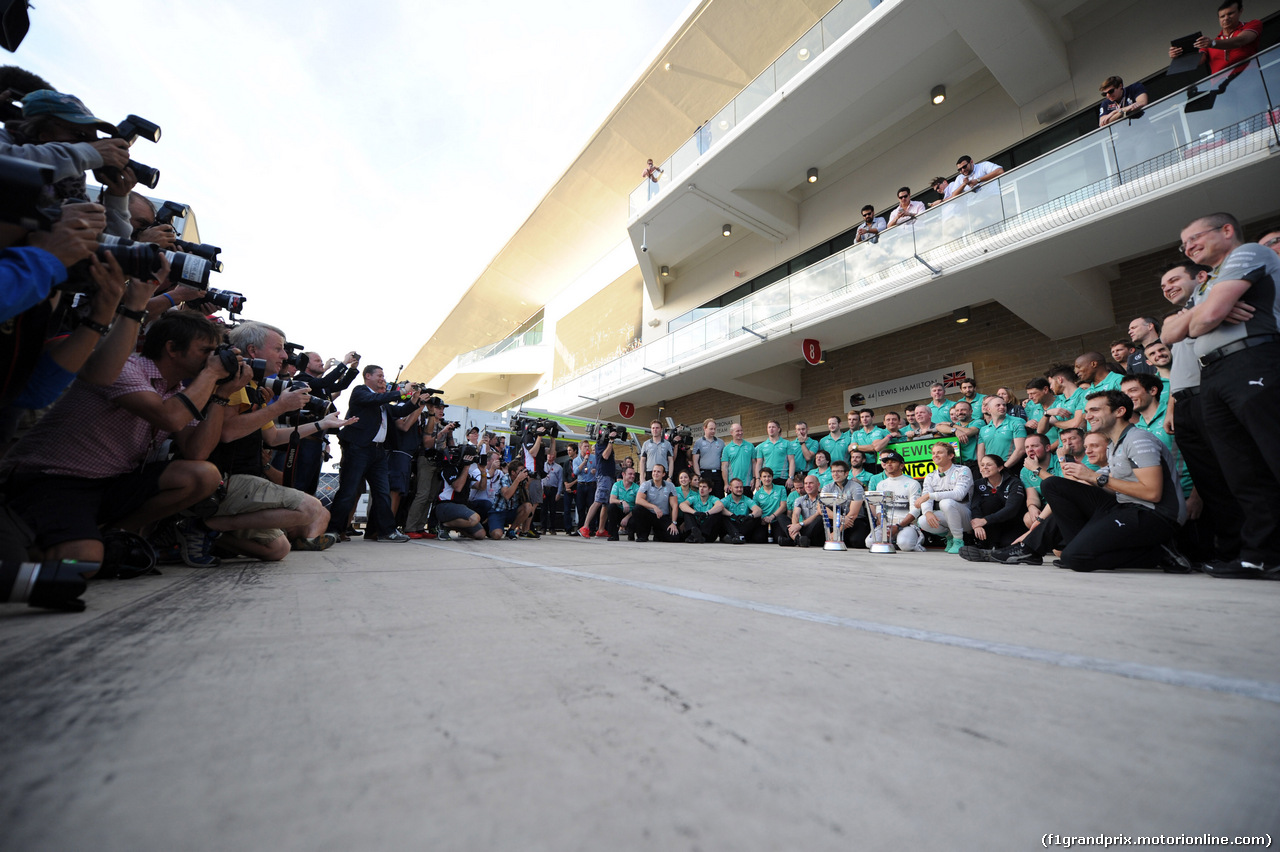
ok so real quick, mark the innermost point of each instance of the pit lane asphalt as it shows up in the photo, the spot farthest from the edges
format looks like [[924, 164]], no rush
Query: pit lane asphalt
[[567, 694]]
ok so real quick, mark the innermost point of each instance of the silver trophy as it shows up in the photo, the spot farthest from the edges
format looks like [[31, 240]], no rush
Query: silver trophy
[[832, 497], [879, 531]]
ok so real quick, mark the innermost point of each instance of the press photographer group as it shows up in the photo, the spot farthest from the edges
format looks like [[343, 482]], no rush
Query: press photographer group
[[144, 419]]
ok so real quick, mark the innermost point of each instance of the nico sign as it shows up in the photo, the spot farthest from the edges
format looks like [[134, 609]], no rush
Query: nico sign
[[812, 350], [918, 455]]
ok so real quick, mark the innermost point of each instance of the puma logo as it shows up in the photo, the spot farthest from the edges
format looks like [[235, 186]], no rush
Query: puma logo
[[1119, 523], [1257, 382]]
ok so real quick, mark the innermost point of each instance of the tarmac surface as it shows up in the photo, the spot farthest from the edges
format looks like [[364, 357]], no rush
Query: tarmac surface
[[564, 694]]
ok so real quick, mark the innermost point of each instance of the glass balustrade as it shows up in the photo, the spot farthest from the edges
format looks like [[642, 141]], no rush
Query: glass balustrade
[[1220, 119]]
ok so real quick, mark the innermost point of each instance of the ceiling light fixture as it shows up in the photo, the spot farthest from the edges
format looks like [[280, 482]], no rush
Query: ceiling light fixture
[[803, 54], [666, 272], [960, 315], [813, 175], [727, 230], [939, 94]]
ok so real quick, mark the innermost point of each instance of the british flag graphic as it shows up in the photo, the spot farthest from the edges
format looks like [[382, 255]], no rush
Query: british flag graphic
[[953, 380]]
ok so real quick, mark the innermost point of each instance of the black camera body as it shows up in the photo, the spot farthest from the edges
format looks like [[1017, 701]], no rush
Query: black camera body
[[315, 409], [131, 130], [615, 434], [231, 364], [22, 185], [297, 357], [461, 456], [228, 300], [530, 428], [681, 436]]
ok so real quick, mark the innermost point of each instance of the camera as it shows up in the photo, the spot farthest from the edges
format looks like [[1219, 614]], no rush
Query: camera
[[231, 364], [462, 455], [644, 247], [616, 434], [131, 130], [21, 186], [680, 436], [228, 300], [208, 252], [55, 584], [296, 356], [530, 428], [140, 260], [315, 409]]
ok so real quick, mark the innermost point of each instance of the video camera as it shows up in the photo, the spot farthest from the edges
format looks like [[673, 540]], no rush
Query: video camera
[[462, 455], [680, 436], [407, 388], [131, 130], [297, 357], [529, 428], [616, 434]]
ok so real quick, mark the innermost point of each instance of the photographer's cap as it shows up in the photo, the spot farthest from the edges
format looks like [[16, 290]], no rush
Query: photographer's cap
[[63, 106], [434, 402]]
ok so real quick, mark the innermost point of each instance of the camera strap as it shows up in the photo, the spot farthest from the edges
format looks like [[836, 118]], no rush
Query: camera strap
[[291, 458]]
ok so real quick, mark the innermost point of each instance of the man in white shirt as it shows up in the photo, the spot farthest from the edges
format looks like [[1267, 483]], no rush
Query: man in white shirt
[[944, 500], [972, 175], [902, 529], [907, 210]]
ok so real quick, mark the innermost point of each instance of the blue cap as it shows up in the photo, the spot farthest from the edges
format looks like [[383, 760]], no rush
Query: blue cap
[[63, 106]]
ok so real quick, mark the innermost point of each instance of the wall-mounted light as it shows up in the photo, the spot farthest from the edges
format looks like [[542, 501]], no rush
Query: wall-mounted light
[[727, 230], [960, 314], [939, 94], [813, 175], [666, 272], [666, 67], [803, 54]]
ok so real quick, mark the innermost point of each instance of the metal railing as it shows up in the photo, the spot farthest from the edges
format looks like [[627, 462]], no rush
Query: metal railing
[[1231, 115], [794, 59], [532, 337]]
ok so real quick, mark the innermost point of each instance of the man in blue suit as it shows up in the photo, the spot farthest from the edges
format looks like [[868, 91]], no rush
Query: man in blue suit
[[364, 457]]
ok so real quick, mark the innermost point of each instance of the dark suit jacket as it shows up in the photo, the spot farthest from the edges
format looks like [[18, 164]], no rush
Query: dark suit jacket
[[335, 381], [367, 405]]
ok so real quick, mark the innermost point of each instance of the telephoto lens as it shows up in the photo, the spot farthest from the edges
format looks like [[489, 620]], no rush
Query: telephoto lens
[[136, 259], [56, 584], [229, 300], [191, 269], [146, 175]]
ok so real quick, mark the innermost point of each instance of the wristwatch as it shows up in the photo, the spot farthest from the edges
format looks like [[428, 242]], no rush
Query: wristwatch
[[1103, 479]]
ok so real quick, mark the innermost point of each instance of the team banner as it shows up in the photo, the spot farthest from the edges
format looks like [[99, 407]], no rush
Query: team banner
[[907, 388], [918, 455]]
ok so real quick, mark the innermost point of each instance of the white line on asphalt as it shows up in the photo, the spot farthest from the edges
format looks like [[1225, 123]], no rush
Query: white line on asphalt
[[1260, 689]]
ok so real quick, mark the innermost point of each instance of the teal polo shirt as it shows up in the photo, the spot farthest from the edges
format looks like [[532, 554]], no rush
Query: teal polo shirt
[[837, 448], [998, 440], [976, 402], [774, 454], [739, 458], [1111, 382], [824, 477], [791, 500], [625, 494], [866, 436], [1032, 478], [738, 507], [969, 452], [1156, 427], [803, 466], [941, 410], [699, 506], [769, 501], [863, 477]]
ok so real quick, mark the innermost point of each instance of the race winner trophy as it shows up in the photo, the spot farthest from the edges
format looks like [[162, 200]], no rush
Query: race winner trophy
[[832, 497], [879, 532]]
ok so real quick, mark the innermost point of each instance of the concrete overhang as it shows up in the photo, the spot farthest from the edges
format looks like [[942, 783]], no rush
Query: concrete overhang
[[1057, 282], [860, 86]]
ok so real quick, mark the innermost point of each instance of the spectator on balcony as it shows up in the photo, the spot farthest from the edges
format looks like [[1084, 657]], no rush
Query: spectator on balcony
[[652, 174], [1120, 101], [1235, 42], [973, 175], [872, 225], [1143, 331], [943, 187], [907, 210]]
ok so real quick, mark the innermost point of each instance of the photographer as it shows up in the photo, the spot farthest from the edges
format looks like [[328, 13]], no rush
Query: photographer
[[437, 438], [453, 512], [86, 464], [512, 507], [57, 130], [364, 458], [261, 516], [606, 471], [314, 448]]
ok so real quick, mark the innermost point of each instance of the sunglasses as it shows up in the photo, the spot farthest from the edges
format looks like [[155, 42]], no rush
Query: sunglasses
[[903, 197], [1112, 90]]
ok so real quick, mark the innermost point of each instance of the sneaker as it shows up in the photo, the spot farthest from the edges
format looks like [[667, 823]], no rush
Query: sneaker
[[696, 536], [969, 553], [394, 536], [352, 532], [197, 542], [571, 532], [585, 532], [1172, 561], [610, 537], [955, 545], [1015, 555], [1240, 569], [803, 541], [421, 534], [512, 535], [603, 534], [320, 542], [529, 534]]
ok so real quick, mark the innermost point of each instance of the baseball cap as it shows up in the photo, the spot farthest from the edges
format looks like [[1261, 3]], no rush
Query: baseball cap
[[63, 106], [891, 455]]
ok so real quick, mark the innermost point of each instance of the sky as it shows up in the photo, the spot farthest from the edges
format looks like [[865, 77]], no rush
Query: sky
[[358, 165]]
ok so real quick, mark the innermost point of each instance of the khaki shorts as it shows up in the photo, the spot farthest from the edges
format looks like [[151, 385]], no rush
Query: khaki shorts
[[247, 493]]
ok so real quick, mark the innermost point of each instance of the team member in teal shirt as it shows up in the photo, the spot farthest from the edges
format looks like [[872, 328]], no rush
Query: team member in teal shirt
[[1038, 394], [856, 469], [1039, 463], [622, 499], [822, 468], [966, 427], [969, 393], [1067, 409], [773, 452], [1142, 389], [1091, 367], [835, 443], [870, 439], [773, 507], [802, 450], [742, 515], [738, 456], [702, 515], [1003, 436], [940, 406]]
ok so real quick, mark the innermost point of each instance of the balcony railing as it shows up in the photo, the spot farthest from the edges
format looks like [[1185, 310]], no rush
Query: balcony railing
[[1221, 119], [532, 337], [834, 24]]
